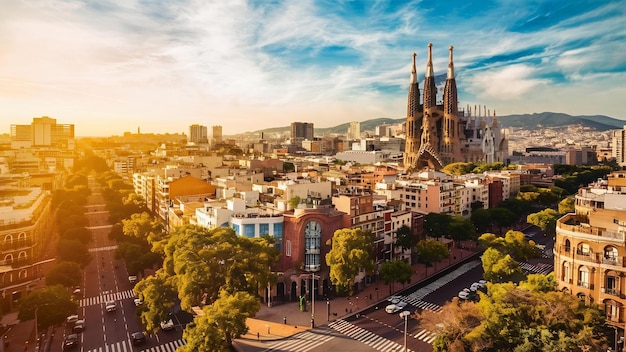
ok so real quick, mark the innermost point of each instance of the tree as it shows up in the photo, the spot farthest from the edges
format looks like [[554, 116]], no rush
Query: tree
[[481, 218], [350, 252], [531, 316], [202, 262], [52, 305], [222, 321], [67, 274], [503, 217], [500, 267], [73, 251], [395, 271], [461, 229], [513, 243], [430, 251], [545, 220], [158, 293], [567, 206], [81, 234], [405, 238], [436, 225], [294, 202], [146, 227]]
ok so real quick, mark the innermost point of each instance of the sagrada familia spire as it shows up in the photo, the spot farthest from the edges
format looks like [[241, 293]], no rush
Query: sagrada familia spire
[[439, 134]]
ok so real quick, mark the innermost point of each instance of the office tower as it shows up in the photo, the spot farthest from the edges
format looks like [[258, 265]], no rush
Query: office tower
[[216, 135], [197, 134], [354, 131], [301, 130]]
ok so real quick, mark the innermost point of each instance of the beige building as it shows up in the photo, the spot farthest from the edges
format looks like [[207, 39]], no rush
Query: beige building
[[590, 248]]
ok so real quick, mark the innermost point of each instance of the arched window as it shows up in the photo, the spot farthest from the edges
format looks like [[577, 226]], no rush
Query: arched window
[[22, 255], [23, 274], [8, 259], [610, 255], [584, 249], [568, 245], [21, 236], [566, 274], [583, 277], [8, 239]]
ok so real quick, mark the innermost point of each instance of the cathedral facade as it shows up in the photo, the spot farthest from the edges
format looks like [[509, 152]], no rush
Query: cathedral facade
[[440, 134]]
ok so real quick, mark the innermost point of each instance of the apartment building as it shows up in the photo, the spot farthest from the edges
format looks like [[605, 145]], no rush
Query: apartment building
[[590, 248], [25, 223]]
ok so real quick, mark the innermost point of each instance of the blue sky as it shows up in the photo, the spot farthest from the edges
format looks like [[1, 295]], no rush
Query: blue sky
[[113, 66]]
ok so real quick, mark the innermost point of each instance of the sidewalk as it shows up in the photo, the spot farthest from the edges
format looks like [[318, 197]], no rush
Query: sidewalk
[[269, 323]]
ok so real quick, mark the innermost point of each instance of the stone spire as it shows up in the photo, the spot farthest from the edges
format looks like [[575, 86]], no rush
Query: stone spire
[[413, 106], [430, 90], [450, 98]]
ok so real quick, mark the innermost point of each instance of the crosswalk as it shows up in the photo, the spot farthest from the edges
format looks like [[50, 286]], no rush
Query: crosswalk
[[114, 296], [426, 336], [416, 297], [426, 305], [539, 268], [303, 341], [102, 249], [126, 346], [377, 342]]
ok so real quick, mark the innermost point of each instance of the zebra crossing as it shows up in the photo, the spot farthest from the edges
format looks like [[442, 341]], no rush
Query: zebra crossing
[[539, 268], [126, 346], [425, 305], [426, 336], [166, 347], [303, 341], [367, 337], [415, 297], [116, 296], [102, 249]]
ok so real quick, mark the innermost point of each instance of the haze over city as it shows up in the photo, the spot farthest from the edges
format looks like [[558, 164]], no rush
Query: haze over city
[[112, 66]]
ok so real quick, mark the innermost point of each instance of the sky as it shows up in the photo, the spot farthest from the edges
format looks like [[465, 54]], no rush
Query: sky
[[109, 67]]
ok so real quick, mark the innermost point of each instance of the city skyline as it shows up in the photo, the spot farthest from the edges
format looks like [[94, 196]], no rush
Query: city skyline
[[111, 67]]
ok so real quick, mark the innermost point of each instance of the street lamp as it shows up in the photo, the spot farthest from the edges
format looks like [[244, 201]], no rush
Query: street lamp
[[405, 314], [327, 310]]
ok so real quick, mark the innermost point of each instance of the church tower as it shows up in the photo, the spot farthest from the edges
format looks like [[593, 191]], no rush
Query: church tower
[[413, 120], [450, 149]]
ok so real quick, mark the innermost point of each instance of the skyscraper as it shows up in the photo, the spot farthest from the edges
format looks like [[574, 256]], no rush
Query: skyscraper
[[197, 134], [354, 131], [216, 135], [301, 130]]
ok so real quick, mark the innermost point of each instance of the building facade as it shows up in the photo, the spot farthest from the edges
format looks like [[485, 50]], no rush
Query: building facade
[[590, 248]]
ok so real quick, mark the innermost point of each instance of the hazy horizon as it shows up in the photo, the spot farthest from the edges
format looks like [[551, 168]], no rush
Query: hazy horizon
[[110, 67]]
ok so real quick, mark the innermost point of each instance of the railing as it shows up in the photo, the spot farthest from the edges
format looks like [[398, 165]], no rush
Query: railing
[[613, 292], [16, 244], [16, 263]]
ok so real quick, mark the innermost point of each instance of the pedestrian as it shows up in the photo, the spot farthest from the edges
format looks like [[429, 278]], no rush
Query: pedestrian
[[258, 335], [285, 320]]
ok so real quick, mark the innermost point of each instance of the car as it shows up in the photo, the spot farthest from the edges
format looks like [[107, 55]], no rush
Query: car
[[79, 326], [132, 279], [138, 302], [464, 294], [475, 286], [139, 338], [401, 304], [71, 319], [70, 342], [77, 291], [111, 306], [167, 325], [393, 298], [392, 308]]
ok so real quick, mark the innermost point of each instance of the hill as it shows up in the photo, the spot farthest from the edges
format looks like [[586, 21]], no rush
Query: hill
[[523, 121]]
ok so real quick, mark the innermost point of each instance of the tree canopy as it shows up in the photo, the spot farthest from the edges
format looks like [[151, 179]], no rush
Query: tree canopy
[[395, 271], [222, 321], [51, 304], [512, 243], [531, 316], [147, 227], [545, 220], [430, 251], [73, 251], [567, 206], [350, 252], [67, 274]]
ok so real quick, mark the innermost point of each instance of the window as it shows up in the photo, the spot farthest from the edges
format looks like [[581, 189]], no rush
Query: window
[[288, 248], [583, 277], [237, 230], [278, 230], [248, 230], [264, 229]]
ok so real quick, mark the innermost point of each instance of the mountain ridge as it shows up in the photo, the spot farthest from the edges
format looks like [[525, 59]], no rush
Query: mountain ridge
[[523, 121]]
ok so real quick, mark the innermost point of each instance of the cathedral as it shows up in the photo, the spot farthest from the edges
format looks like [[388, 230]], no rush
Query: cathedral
[[440, 134]]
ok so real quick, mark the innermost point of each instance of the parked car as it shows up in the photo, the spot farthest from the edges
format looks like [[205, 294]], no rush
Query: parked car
[[79, 326], [139, 338], [167, 325], [132, 279], [464, 294], [111, 306], [138, 302], [70, 342], [71, 319]]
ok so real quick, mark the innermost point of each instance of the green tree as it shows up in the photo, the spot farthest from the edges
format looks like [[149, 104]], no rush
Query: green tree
[[461, 229], [158, 293], [566, 206], [67, 274], [503, 217], [405, 238], [222, 322], [350, 252], [513, 243], [481, 218], [499, 267], [395, 271], [51, 304], [81, 234], [436, 225], [73, 251], [294, 202], [545, 220], [430, 251], [147, 227]]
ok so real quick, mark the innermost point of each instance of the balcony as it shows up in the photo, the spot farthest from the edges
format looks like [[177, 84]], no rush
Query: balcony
[[311, 251], [612, 292], [16, 263], [16, 244], [312, 267]]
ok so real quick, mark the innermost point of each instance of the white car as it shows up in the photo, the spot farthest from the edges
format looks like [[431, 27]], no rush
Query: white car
[[111, 306], [393, 298], [464, 295], [401, 304], [392, 308], [475, 286], [138, 302], [132, 279], [167, 325], [71, 319]]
